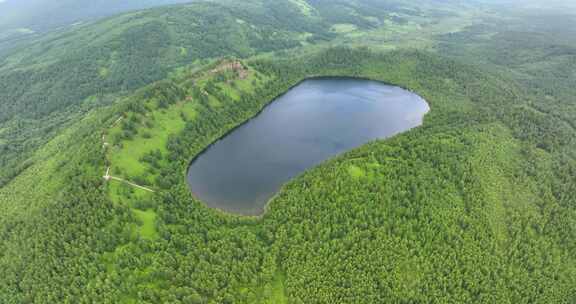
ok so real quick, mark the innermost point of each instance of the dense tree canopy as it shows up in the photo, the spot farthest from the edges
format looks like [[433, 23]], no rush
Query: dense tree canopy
[[478, 205], [433, 215]]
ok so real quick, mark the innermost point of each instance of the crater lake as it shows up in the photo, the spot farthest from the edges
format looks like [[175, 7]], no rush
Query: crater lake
[[312, 122]]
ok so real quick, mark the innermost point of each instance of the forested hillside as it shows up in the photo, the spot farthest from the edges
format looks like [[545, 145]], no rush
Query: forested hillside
[[45, 85], [42, 15], [478, 205]]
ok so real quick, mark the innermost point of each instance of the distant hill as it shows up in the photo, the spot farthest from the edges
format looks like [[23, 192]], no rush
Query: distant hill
[[41, 15], [79, 67], [99, 122]]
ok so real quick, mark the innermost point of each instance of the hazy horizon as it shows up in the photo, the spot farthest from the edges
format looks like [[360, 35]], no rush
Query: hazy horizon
[[41, 15]]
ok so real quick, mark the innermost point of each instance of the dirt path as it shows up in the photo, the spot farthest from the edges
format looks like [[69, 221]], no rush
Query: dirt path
[[234, 65], [129, 183], [107, 175]]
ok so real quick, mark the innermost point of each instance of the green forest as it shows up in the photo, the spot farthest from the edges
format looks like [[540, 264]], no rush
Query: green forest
[[477, 205]]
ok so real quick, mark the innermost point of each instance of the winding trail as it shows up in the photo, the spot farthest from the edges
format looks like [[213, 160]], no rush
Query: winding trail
[[129, 183], [223, 66], [107, 175]]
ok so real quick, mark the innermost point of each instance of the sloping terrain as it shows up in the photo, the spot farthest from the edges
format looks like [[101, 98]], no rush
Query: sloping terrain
[[411, 218], [477, 205], [53, 81]]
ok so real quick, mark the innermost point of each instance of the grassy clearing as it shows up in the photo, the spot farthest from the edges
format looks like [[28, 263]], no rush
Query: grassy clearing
[[278, 292], [103, 72], [136, 199], [155, 126], [270, 293], [356, 172], [121, 193], [126, 158], [343, 28], [408, 31], [151, 127], [147, 229], [304, 7]]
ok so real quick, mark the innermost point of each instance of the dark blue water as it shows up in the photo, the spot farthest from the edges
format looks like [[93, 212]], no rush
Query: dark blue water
[[316, 120]]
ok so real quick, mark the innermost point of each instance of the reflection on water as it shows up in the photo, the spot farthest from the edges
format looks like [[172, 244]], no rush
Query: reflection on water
[[312, 122]]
